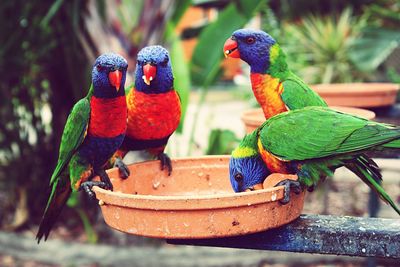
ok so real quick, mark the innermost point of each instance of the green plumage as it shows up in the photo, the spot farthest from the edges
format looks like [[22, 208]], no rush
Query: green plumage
[[296, 93], [73, 135], [68, 164], [322, 132], [314, 141]]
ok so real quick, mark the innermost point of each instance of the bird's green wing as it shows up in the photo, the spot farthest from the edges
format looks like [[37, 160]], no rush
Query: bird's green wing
[[73, 135], [296, 94], [316, 132]]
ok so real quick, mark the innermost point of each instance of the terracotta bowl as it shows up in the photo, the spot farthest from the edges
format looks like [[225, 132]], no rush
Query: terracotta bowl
[[253, 118], [358, 94], [196, 201]]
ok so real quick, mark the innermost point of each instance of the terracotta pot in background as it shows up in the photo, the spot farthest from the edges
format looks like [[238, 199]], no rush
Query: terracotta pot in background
[[358, 94], [253, 118], [196, 201]]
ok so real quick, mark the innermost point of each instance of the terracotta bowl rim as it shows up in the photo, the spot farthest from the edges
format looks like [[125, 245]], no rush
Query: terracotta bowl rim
[[188, 202], [355, 87]]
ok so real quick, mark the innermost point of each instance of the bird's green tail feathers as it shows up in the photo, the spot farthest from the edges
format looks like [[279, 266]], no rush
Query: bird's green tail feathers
[[58, 198], [393, 144], [369, 172]]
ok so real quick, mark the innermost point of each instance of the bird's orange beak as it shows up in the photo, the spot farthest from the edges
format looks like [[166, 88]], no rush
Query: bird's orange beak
[[115, 78], [149, 73], [231, 48]]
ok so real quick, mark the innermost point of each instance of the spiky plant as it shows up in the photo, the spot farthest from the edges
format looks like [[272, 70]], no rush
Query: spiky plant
[[324, 45]]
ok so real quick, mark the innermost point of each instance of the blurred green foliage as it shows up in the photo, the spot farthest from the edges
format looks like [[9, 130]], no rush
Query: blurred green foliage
[[326, 45], [207, 55], [221, 142], [180, 67], [43, 71], [380, 37], [343, 46]]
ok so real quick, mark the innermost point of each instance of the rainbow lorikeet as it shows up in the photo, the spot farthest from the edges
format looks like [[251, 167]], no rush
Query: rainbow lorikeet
[[94, 130], [276, 88], [311, 143], [154, 108]]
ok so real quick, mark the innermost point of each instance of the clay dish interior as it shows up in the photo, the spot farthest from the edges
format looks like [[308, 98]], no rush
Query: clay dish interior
[[196, 201]]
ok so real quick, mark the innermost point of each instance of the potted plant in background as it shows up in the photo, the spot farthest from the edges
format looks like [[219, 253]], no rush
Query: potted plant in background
[[341, 55]]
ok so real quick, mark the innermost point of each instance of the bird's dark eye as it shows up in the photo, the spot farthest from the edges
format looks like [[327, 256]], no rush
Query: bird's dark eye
[[250, 40], [140, 63], [238, 177], [99, 67], [165, 62]]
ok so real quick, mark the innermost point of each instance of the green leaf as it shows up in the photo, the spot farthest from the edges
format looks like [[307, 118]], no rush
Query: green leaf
[[179, 10], [208, 53], [128, 13], [393, 75], [388, 14], [73, 200], [181, 73], [372, 49], [89, 230], [101, 7], [221, 142], [50, 14], [180, 68]]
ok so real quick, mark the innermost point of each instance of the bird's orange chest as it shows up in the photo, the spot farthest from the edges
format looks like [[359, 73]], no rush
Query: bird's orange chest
[[273, 163], [268, 91], [152, 116]]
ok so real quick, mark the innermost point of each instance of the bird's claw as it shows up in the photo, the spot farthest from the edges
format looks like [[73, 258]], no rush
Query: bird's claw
[[107, 185], [290, 185], [165, 162], [105, 179], [88, 185], [123, 169]]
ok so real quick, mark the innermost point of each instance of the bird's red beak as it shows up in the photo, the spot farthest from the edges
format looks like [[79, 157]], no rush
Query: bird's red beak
[[115, 78], [231, 48], [149, 73]]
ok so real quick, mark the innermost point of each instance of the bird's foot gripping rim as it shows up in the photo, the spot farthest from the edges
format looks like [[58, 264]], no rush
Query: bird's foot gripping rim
[[123, 169], [289, 186], [87, 187]]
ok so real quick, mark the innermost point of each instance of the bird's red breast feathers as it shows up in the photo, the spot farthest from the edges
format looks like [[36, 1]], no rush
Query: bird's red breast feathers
[[152, 116], [107, 116]]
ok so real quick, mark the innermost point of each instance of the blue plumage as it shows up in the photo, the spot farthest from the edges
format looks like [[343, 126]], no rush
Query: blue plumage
[[159, 57], [97, 150], [254, 169], [102, 66], [254, 47]]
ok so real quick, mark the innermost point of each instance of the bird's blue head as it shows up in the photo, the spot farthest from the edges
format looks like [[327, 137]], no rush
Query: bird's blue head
[[252, 46], [247, 170], [153, 70], [108, 76]]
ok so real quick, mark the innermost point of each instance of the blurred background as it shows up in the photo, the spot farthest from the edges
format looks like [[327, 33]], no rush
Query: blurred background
[[47, 49]]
